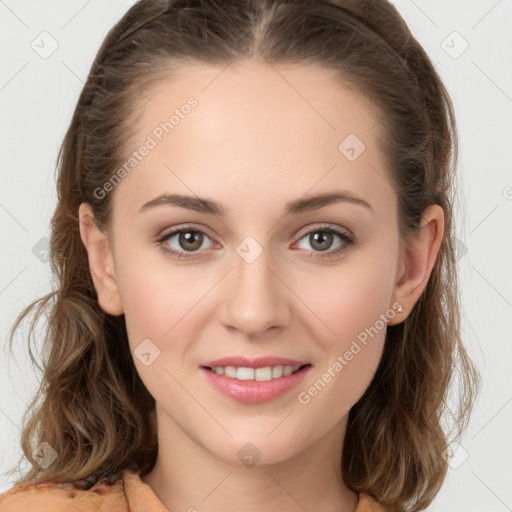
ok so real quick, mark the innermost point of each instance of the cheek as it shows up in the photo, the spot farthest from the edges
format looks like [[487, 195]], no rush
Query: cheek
[[340, 384], [144, 302], [159, 320], [350, 298], [352, 303], [350, 340], [162, 304], [152, 299]]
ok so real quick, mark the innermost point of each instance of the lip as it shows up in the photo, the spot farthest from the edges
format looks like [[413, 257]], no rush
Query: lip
[[253, 391], [259, 362]]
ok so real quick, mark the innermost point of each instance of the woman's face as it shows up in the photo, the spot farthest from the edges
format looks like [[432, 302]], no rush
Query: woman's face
[[259, 280]]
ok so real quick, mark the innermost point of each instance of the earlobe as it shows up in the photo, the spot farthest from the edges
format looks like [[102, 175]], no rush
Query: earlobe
[[101, 262], [419, 255]]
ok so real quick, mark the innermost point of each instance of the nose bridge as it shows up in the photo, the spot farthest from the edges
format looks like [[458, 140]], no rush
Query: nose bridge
[[255, 299]]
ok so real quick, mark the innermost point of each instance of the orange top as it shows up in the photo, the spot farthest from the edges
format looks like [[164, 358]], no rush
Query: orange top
[[130, 494]]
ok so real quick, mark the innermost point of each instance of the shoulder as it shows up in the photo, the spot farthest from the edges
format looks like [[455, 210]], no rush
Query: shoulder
[[129, 493], [55, 497], [367, 504]]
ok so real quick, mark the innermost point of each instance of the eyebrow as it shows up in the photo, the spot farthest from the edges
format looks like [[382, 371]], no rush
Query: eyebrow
[[297, 206]]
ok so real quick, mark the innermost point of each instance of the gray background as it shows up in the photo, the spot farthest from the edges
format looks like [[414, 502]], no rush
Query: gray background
[[38, 93]]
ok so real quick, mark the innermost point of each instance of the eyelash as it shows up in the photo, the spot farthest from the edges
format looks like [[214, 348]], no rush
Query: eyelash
[[345, 237]]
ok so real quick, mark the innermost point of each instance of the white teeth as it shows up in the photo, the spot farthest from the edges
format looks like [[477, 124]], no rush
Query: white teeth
[[277, 371], [263, 373], [288, 370], [245, 373], [259, 374], [230, 371]]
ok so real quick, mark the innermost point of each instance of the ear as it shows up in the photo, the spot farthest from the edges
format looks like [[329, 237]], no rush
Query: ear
[[418, 256], [101, 261]]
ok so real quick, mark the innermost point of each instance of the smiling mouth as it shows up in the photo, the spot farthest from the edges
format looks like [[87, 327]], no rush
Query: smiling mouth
[[265, 373]]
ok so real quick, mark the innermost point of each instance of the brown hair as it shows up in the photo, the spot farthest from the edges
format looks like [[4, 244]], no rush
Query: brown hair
[[94, 410]]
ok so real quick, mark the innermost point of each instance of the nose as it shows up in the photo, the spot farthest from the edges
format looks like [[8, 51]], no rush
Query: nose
[[255, 297]]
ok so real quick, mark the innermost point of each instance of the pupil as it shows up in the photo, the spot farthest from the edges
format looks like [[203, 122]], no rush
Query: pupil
[[192, 238], [320, 237]]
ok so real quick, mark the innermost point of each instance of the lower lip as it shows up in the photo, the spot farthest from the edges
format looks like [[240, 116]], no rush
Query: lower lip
[[253, 391]]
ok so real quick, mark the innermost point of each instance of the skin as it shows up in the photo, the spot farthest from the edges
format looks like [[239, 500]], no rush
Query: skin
[[254, 143]]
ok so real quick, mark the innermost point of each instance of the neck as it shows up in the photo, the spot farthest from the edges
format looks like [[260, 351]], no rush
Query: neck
[[189, 477]]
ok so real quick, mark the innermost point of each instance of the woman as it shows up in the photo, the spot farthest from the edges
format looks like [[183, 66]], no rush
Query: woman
[[257, 300]]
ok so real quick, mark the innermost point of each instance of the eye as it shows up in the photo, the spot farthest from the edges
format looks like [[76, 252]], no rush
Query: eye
[[189, 240], [322, 237], [186, 240]]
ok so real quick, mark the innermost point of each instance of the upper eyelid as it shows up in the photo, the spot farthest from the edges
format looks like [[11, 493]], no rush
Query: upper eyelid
[[167, 233], [326, 227]]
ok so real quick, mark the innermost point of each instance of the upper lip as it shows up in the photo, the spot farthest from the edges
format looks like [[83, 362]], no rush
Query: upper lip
[[259, 362]]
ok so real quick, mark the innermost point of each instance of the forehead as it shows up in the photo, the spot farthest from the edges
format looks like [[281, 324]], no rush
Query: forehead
[[266, 93], [258, 130]]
